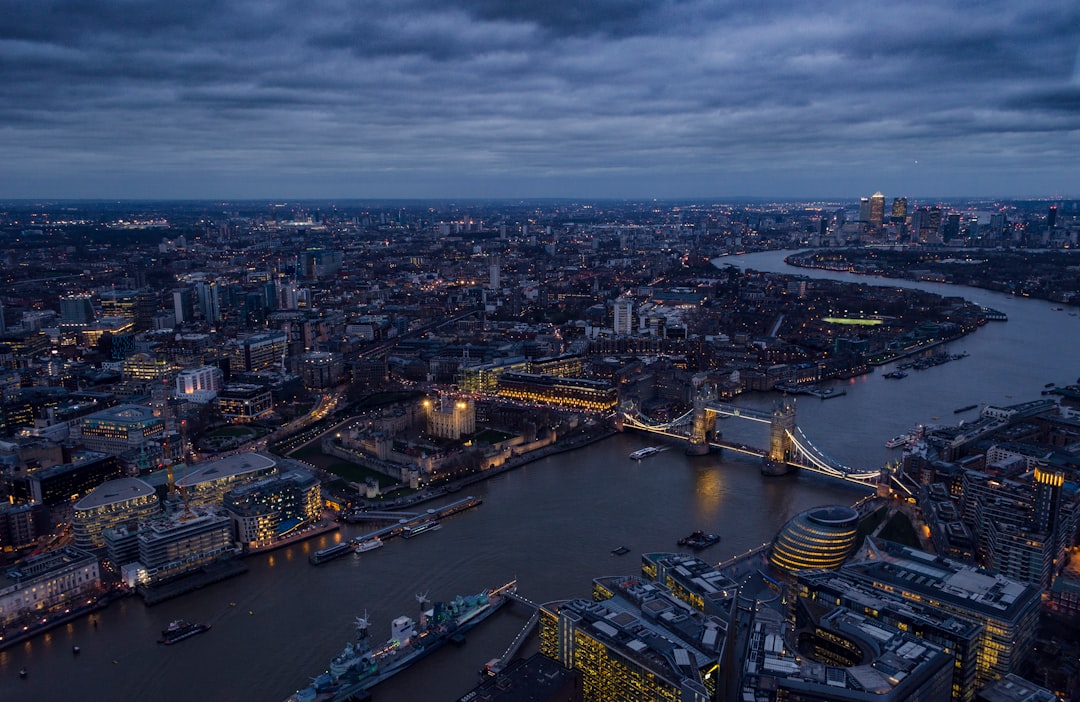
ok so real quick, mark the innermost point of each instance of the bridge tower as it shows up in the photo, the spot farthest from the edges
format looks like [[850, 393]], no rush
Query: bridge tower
[[704, 391], [778, 460]]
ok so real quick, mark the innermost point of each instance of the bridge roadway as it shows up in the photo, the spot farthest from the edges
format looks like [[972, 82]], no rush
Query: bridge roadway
[[803, 453], [495, 666]]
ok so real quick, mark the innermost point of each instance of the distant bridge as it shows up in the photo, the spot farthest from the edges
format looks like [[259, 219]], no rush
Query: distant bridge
[[789, 447]]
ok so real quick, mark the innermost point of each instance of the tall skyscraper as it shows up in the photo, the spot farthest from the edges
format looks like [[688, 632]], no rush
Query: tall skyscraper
[[864, 209], [877, 209], [899, 209], [1051, 217], [624, 316], [76, 310], [494, 273]]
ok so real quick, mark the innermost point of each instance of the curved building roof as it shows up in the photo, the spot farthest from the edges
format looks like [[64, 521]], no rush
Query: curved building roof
[[114, 491], [820, 538]]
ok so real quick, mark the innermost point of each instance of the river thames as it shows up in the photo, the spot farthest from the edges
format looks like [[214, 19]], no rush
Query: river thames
[[551, 524]]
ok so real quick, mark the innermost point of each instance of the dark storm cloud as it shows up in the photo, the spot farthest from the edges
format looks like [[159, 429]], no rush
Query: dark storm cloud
[[517, 97]]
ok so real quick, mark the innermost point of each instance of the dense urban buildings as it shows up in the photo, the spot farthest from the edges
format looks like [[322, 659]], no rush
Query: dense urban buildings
[[161, 382]]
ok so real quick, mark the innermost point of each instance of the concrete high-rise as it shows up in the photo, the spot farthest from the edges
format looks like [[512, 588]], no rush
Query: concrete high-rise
[[877, 209], [623, 322], [899, 210]]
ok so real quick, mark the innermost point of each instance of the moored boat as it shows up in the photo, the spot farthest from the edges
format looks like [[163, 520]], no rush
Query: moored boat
[[360, 666], [180, 629], [897, 441], [423, 527], [330, 553], [368, 544], [699, 540]]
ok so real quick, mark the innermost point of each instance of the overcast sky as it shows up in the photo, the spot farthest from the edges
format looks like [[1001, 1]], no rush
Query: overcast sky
[[539, 98]]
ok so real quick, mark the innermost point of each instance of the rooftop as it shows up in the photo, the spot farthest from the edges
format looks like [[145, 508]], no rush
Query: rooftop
[[230, 466], [114, 491]]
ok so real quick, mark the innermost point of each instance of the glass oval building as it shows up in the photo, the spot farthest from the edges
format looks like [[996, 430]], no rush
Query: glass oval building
[[819, 538]]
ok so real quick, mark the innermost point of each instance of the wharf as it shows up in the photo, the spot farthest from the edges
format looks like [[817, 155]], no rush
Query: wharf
[[207, 575], [434, 513], [321, 527]]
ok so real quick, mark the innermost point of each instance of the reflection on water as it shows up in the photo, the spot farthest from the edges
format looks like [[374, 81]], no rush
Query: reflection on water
[[708, 489]]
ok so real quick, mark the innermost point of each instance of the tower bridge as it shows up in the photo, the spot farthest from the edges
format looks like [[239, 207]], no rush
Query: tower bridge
[[789, 447]]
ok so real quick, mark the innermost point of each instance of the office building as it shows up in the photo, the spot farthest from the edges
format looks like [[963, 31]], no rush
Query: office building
[[208, 293], [119, 429], [144, 366], [320, 370], [819, 538], [183, 306], [110, 504], [258, 352], [244, 402], [1013, 688], [172, 545], [623, 321], [899, 210], [118, 303], [199, 384], [636, 641], [83, 471], [207, 483], [840, 656], [877, 209], [76, 311], [52, 581], [959, 637], [1007, 609], [693, 581], [864, 209], [567, 393], [272, 507]]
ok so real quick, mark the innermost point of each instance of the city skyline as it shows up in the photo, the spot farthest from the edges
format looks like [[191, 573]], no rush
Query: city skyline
[[614, 99]]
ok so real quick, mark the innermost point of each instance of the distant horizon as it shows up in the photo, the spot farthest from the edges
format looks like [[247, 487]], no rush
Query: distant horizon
[[565, 99], [716, 200]]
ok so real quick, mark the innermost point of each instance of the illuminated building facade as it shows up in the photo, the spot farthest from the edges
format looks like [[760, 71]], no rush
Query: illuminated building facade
[[1006, 609], [567, 393], [121, 428], [143, 366], [840, 656], [957, 636], [244, 402], [118, 303], [320, 370], [207, 483], [53, 580], [170, 546], [637, 642], [623, 319], [258, 352], [877, 209], [693, 581], [199, 384], [819, 538], [485, 377], [450, 419], [273, 506], [115, 326], [110, 504], [76, 311]]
